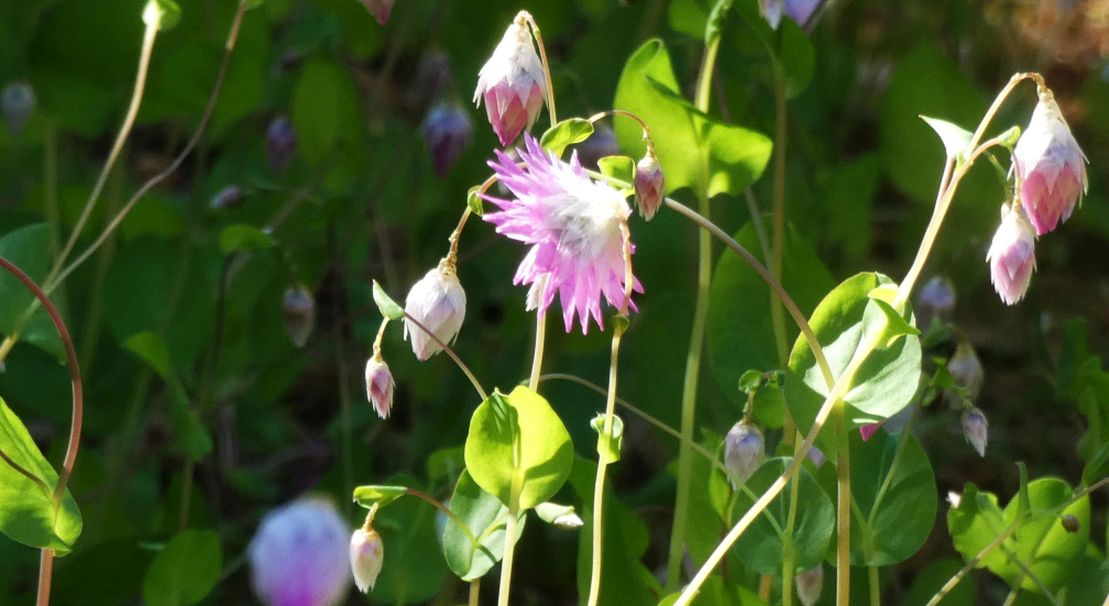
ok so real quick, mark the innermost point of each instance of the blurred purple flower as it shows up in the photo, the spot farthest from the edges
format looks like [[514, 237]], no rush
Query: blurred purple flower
[[281, 141], [299, 555], [447, 131]]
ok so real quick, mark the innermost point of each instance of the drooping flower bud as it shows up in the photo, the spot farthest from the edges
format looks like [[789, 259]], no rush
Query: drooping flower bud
[[281, 141], [936, 300], [380, 9], [299, 555], [976, 429], [966, 369], [438, 302], [227, 198], [19, 103], [299, 310], [512, 83], [447, 131], [367, 554], [744, 450], [809, 585], [816, 457], [649, 185], [379, 385], [1050, 166], [1012, 256]]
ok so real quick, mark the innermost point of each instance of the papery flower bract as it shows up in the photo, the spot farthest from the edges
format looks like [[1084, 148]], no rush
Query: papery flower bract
[[809, 584], [298, 556], [512, 83], [1012, 256], [744, 450], [975, 429], [367, 555], [438, 302], [380, 9], [649, 186], [1050, 165], [379, 385], [447, 131], [572, 224]]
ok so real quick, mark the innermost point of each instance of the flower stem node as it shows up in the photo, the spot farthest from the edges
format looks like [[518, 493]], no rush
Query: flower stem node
[[379, 385], [512, 83], [975, 429], [298, 307], [367, 554], [1012, 255], [1050, 167], [438, 302], [744, 451], [809, 585], [649, 185]]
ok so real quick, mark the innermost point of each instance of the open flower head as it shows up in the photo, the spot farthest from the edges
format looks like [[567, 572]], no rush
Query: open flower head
[[1012, 256], [573, 226], [1051, 167], [512, 83]]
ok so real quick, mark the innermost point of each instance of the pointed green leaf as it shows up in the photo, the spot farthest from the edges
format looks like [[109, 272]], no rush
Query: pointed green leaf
[[955, 138], [386, 305], [368, 496]]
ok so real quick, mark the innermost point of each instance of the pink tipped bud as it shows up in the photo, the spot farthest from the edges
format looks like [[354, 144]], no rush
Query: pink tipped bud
[[744, 450], [299, 310], [447, 131], [281, 141], [512, 83], [936, 300], [379, 385], [976, 429], [19, 103], [1050, 165], [649, 186], [299, 555], [1012, 256], [367, 554], [809, 585], [380, 9], [966, 369], [438, 302]]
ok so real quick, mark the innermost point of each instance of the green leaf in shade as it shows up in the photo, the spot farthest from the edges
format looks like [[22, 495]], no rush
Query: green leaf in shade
[[386, 305], [487, 518], [518, 436], [414, 570], [185, 571], [1040, 542], [244, 238], [608, 445], [368, 496], [621, 168], [761, 547], [566, 133], [955, 138], [846, 323], [26, 507], [326, 111], [739, 298], [29, 248]]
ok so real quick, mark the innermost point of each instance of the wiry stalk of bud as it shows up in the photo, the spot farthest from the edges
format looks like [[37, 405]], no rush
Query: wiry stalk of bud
[[744, 450], [1050, 167], [438, 302], [976, 429], [1012, 255], [649, 185], [512, 83]]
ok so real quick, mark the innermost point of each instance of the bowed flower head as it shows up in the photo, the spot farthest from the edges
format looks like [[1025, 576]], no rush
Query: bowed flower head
[[512, 83], [573, 225], [438, 302], [1012, 256], [379, 385], [298, 557], [1051, 167], [367, 554]]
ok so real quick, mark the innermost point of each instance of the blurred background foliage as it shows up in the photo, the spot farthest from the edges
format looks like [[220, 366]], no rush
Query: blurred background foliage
[[359, 200]]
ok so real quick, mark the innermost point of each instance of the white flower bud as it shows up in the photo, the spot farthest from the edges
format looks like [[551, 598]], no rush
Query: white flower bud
[[976, 429], [512, 83], [809, 585], [1051, 167], [744, 450], [1012, 256], [379, 385], [367, 554], [299, 555], [438, 302]]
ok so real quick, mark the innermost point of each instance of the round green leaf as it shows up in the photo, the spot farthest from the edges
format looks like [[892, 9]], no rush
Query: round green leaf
[[185, 571], [486, 517], [518, 436], [761, 547]]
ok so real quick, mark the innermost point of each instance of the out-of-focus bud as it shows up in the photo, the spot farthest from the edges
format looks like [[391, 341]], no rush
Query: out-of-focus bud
[[299, 555], [19, 103], [562, 517], [438, 302], [976, 429], [809, 585], [512, 83], [816, 457], [966, 369], [1050, 165], [801, 11], [649, 185], [600, 144], [1070, 523], [936, 300], [290, 60], [771, 10], [433, 80], [447, 131], [867, 431], [227, 198], [379, 385], [744, 450], [281, 142], [1012, 255], [367, 554], [380, 9], [299, 310]]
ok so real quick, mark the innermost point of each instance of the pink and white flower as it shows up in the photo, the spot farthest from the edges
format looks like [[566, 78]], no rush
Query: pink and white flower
[[438, 302], [1012, 255], [367, 555], [1050, 165], [649, 186], [512, 83], [379, 385], [573, 225]]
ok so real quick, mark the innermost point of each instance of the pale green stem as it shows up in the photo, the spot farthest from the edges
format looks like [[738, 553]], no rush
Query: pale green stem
[[475, 592], [452, 355], [510, 533], [843, 503], [602, 465], [875, 590], [778, 217], [546, 64], [537, 356]]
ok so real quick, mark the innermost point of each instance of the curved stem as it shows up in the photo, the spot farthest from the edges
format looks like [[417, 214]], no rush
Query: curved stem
[[436, 503], [510, 535], [546, 65], [46, 573], [843, 505], [453, 356]]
